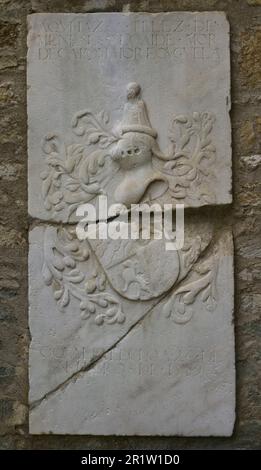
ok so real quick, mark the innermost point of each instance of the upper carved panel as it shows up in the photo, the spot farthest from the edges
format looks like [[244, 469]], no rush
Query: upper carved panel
[[93, 130]]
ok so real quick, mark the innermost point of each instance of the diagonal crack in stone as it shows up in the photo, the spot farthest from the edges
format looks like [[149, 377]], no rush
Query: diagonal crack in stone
[[93, 363]]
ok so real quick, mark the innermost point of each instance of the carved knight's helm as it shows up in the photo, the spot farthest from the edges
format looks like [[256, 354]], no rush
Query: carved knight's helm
[[135, 116], [134, 151]]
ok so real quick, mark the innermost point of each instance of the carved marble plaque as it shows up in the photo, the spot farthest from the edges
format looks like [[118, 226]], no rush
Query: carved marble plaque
[[79, 104], [127, 337]]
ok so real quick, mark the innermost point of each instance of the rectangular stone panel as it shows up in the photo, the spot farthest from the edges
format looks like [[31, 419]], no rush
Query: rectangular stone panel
[[114, 354], [98, 81]]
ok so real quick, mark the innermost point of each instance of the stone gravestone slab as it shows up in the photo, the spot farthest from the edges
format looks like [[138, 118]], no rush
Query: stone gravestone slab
[[128, 337]]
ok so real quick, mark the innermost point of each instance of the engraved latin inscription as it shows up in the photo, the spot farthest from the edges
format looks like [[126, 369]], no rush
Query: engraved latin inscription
[[143, 39]]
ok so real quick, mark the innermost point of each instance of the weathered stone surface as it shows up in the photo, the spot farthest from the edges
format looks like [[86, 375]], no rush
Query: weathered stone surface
[[254, 2], [101, 360], [7, 61], [7, 95], [82, 104], [10, 172], [8, 34], [250, 65]]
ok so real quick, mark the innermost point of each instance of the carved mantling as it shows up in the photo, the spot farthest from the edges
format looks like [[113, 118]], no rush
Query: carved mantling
[[78, 171]]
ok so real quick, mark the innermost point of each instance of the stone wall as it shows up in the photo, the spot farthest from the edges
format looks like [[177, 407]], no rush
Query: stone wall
[[243, 216]]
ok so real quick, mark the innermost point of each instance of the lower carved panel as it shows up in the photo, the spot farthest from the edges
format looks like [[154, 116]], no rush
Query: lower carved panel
[[112, 352]]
